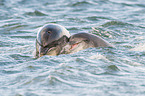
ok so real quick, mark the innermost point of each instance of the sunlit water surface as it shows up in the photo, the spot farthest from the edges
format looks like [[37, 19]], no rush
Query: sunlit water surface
[[118, 71]]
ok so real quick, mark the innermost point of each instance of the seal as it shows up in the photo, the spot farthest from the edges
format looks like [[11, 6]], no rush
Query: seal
[[50, 39], [82, 41]]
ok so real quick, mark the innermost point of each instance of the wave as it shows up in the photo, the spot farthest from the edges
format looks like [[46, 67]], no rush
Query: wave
[[35, 13], [116, 23], [80, 3]]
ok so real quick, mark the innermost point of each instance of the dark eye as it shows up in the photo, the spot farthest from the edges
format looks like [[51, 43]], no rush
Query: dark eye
[[49, 32], [86, 41]]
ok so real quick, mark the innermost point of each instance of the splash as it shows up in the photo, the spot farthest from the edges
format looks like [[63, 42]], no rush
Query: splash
[[139, 47], [98, 56]]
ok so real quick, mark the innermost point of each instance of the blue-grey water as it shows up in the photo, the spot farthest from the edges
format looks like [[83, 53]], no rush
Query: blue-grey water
[[118, 71]]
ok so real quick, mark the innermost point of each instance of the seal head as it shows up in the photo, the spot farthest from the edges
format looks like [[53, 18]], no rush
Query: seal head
[[50, 39], [82, 41]]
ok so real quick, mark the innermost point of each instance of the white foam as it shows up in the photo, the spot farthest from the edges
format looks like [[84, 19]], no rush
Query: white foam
[[98, 56], [139, 47]]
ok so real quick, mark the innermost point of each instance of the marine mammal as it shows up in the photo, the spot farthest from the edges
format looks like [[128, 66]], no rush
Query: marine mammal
[[50, 39], [82, 41]]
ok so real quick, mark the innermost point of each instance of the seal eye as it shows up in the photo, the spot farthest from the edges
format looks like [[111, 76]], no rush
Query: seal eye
[[49, 32], [86, 41]]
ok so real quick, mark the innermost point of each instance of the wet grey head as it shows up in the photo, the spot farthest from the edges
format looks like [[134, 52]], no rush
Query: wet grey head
[[50, 39], [82, 41]]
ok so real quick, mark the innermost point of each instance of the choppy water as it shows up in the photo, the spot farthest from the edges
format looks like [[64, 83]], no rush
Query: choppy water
[[92, 72]]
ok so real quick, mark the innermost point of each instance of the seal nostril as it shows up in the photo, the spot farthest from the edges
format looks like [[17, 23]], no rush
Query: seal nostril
[[49, 32]]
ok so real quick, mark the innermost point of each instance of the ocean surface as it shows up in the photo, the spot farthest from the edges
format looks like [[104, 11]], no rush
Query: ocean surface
[[118, 71]]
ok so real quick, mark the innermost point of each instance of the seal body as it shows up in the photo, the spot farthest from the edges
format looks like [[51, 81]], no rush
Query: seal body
[[50, 39], [82, 41]]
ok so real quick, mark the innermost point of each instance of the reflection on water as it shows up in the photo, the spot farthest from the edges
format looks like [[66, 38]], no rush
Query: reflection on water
[[95, 71]]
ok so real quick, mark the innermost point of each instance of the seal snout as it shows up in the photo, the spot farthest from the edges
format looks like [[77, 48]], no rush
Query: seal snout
[[42, 51]]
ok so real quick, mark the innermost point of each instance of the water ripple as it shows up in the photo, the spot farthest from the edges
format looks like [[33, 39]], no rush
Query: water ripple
[[81, 3], [36, 13], [90, 72]]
